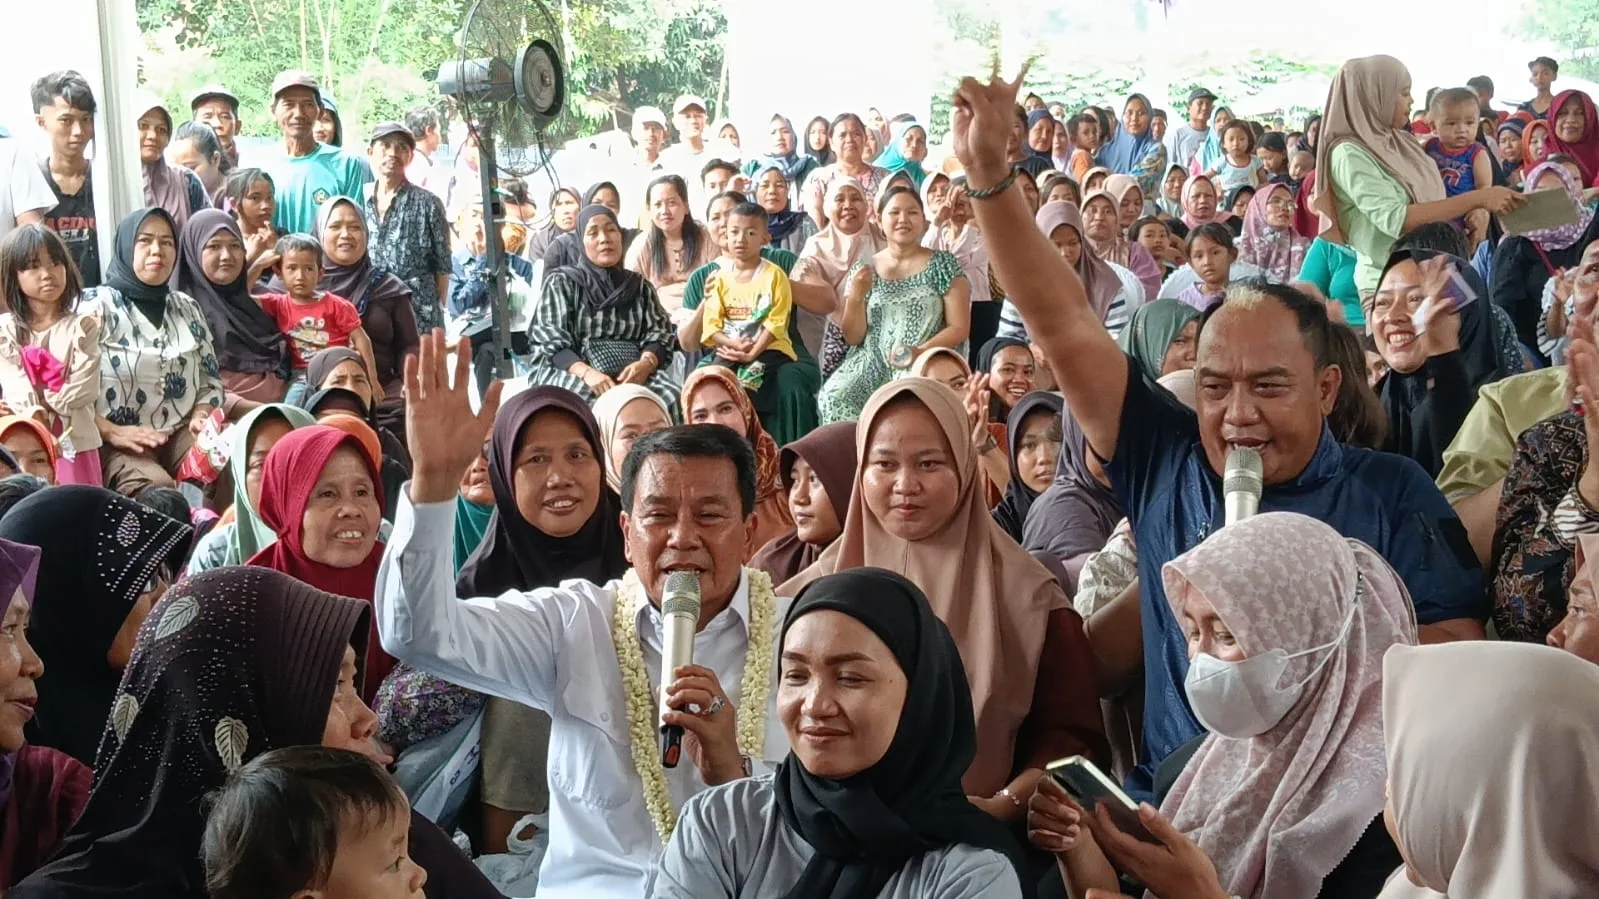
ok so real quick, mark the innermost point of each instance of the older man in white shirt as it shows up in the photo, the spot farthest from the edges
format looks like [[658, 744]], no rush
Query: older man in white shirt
[[590, 654]]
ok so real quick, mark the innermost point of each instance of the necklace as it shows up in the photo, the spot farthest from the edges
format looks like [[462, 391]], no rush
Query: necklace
[[754, 688]]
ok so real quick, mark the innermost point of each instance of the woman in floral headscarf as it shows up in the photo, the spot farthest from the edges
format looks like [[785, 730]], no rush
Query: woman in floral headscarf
[[713, 395], [1269, 240], [1281, 798], [1524, 263]]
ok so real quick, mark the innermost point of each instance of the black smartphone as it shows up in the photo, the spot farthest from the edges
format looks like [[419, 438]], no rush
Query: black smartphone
[[1090, 787]]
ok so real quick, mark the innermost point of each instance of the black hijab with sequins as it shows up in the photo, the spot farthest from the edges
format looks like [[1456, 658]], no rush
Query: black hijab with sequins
[[100, 551], [230, 664]]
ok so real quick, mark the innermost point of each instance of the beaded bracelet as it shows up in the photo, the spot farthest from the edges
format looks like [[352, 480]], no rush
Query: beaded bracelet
[[992, 192]]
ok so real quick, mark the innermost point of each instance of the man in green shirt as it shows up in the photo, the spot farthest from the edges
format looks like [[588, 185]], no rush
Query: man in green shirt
[[309, 173]]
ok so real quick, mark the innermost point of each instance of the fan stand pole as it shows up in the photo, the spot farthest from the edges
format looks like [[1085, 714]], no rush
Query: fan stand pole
[[494, 251]]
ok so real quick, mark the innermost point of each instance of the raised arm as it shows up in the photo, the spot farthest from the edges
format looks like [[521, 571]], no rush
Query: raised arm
[[1090, 368], [506, 646]]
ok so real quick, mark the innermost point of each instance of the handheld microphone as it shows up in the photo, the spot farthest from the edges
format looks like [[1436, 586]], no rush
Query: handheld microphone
[[1242, 483], [680, 618]]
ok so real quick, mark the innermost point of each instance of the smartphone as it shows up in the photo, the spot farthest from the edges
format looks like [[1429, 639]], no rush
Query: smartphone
[[1089, 787]]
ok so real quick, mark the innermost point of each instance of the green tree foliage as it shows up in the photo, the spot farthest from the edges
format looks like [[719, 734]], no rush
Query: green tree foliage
[[378, 58], [1573, 26], [630, 53]]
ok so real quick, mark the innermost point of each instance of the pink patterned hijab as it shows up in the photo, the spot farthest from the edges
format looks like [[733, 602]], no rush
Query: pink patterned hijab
[[1278, 812], [1560, 237], [1277, 251]]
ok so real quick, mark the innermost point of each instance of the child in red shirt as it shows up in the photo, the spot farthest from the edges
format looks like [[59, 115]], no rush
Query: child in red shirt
[[313, 320]]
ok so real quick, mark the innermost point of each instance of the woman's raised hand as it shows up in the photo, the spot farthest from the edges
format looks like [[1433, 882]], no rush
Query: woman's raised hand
[[444, 434], [981, 123]]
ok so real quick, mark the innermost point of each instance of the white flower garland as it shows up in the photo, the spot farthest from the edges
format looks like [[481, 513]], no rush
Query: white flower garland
[[643, 731]]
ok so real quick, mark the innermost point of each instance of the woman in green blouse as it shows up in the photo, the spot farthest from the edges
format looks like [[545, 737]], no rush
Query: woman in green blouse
[[1375, 182]]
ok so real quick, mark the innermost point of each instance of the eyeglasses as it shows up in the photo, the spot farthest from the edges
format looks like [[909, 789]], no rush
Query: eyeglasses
[[1279, 203]]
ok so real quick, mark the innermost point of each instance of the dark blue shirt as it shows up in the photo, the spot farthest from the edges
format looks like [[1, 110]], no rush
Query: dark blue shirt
[[1174, 501]]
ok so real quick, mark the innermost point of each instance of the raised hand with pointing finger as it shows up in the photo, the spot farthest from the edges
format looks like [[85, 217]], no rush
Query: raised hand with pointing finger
[[981, 124]]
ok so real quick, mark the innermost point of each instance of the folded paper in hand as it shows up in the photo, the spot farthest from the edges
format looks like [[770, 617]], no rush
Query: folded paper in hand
[[1543, 209]]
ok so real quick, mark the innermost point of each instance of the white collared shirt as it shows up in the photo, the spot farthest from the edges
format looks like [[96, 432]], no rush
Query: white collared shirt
[[551, 649]]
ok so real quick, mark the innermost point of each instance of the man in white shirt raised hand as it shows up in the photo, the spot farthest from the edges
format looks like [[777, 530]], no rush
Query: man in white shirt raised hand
[[588, 654]]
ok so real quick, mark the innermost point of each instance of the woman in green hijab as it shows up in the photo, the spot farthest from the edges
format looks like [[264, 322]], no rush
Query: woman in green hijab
[[906, 149], [1161, 337], [234, 542], [474, 505]]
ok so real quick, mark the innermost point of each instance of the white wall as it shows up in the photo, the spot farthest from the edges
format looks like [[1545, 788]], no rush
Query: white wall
[[99, 38]]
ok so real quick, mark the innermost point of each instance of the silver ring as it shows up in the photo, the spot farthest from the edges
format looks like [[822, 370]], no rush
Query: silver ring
[[716, 706]]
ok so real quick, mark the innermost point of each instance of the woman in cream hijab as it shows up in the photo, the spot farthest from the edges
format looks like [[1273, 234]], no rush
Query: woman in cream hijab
[[829, 254], [917, 509], [625, 413], [1514, 815], [1374, 182]]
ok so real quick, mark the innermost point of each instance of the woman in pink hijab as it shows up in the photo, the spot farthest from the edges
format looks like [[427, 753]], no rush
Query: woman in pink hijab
[[170, 187], [1288, 622], [1202, 203], [1269, 240]]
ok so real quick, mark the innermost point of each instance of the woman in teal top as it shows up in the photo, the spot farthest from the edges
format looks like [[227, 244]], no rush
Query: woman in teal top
[[1330, 268], [1375, 181]]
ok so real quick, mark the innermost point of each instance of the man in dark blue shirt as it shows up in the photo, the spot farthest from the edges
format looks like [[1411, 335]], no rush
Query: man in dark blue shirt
[[1265, 380]]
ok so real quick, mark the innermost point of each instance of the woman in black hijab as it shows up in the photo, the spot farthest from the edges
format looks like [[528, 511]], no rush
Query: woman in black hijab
[[233, 663], [106, 560], [1012, 373], [869, 801], [251, 349], [341, 369], [1073, 518], [1011, 513], [518, 554], [515, 554], [597, 324], [1434, 372], [159, 379]]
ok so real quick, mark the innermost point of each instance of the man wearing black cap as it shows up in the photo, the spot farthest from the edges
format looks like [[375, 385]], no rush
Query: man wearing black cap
[[1185, 140], [409, 234], [308, 173], [214, 105], [1542, 73]]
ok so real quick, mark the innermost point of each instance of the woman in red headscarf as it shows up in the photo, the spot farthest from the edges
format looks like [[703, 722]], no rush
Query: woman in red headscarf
[[320, 491], [1574, 131]]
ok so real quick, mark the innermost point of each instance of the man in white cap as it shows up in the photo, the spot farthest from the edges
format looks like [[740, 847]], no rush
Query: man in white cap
[[647, 164], [308, 173], [649, 136], [216, 106], [686, 157]]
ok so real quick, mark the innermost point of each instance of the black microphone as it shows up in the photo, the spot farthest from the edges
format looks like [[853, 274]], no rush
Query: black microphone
[[680, 618], [1242, 483]]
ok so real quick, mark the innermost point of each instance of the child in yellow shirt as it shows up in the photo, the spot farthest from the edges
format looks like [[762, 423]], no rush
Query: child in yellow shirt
[[747, 308]]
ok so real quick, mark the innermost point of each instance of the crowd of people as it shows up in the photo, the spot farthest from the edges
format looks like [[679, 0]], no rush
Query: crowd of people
[[938, 432]]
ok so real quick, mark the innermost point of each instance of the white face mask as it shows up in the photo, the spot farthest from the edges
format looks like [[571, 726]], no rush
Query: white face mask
[[1242, 700]]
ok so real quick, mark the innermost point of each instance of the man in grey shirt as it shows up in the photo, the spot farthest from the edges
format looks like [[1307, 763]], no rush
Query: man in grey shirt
[[1185, 140]]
